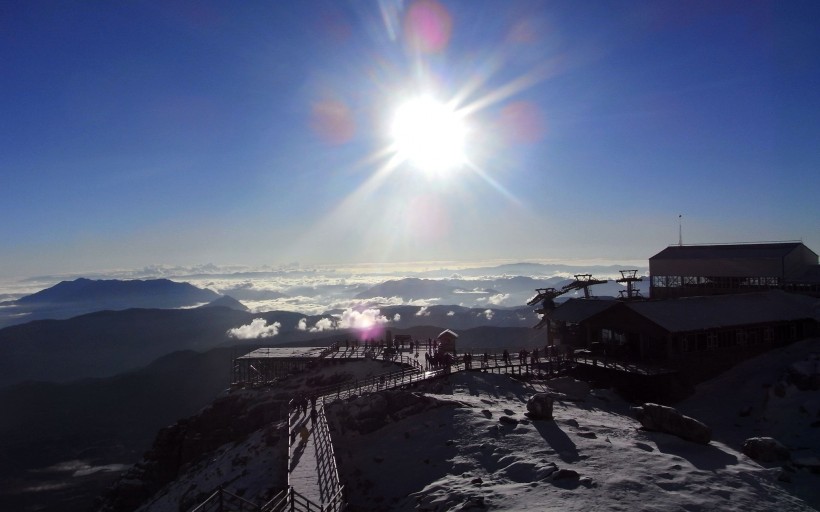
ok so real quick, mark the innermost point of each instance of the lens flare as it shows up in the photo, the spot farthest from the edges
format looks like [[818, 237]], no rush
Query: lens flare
[[429, 135], [332, 121], [428, 26]]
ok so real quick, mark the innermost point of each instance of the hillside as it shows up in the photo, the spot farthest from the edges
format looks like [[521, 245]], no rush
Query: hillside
[[478, 450], [64, 443], [106, 343]]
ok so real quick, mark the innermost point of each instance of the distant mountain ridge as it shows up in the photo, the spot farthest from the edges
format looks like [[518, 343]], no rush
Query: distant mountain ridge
[[115, 290], [73, 298], [226, 301]]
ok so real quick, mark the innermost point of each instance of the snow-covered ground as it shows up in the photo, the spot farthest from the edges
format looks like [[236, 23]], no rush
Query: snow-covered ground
[[466, 443], [593, 456]]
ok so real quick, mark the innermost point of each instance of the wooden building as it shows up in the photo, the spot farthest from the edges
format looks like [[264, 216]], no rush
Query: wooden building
[[696, 334], [447, 341], [264, 365], [694, 270]]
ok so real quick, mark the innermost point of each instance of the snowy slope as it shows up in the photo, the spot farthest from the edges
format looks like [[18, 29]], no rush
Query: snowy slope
[[466, 443], [593, 456]]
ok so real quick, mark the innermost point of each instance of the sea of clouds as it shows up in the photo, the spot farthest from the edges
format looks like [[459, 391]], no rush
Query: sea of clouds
[[344, 292]]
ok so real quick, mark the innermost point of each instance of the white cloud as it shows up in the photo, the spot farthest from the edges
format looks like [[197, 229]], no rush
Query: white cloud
[[451, 313], [258, 328], [323, 324], [488, 314], [498, 299], [423, 311], [397, 317], [353, 319], [302, 325]]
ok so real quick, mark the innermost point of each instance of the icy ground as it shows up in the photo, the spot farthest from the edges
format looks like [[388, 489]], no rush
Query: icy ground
[[486, 454], [466, 444]]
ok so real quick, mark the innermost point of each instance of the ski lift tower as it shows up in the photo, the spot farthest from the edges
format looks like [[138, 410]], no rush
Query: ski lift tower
[[629, 277], [546, 297], [583, 282]]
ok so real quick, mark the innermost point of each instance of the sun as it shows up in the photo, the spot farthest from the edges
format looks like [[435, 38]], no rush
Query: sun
[[429, 135]]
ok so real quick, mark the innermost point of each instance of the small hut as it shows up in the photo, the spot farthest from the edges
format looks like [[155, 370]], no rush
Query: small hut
[[447, 341]]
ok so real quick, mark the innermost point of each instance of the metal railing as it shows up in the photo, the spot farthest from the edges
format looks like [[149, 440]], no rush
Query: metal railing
[[278, 503], [330, 487], [222, 500]]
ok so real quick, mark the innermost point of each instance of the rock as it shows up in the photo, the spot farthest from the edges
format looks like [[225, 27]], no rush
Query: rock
[[811, 407], [508, 421], [566, 474], [808, 462], [765, 449], [572, 389], [588, 435], [661, 418], [472, 502], [805, 374], [539, 407]]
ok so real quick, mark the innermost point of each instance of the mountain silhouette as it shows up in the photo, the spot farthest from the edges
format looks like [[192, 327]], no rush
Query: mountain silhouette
[[72, 298], [226, 301]]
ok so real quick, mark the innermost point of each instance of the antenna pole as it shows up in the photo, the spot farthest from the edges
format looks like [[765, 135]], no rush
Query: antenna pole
[[680, 230]]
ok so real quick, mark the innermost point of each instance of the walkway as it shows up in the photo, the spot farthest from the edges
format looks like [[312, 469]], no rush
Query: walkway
[[302, 467], [314, 477]]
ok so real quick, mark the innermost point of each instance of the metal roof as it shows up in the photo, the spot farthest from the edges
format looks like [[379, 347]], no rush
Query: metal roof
[[730, 251], [577, 310], [710, 312], [446, 333], [285, 353]]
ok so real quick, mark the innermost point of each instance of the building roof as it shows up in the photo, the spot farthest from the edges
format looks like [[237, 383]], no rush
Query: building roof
[[727, 251], [285, 353], [447, 333], [577, 310], [710, 312]]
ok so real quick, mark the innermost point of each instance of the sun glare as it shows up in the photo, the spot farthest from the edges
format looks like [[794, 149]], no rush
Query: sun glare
[[429, 135]]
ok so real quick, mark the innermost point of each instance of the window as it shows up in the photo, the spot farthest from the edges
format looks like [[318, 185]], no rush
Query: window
[[659, 281], [690, 343]]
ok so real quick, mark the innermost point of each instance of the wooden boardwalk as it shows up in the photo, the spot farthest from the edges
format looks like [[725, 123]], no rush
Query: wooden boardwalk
[[313, 477]]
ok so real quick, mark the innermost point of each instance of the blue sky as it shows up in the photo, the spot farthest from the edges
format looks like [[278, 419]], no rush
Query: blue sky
[[257, 133]]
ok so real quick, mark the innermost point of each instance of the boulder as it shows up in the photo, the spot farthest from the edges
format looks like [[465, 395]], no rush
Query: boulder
[[765, 449], [571, 389], [805, 375], [539, 406], [661, 418]]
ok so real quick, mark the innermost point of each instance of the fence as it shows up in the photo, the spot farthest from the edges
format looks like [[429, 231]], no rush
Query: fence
[[222, 500], [330, 488]]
